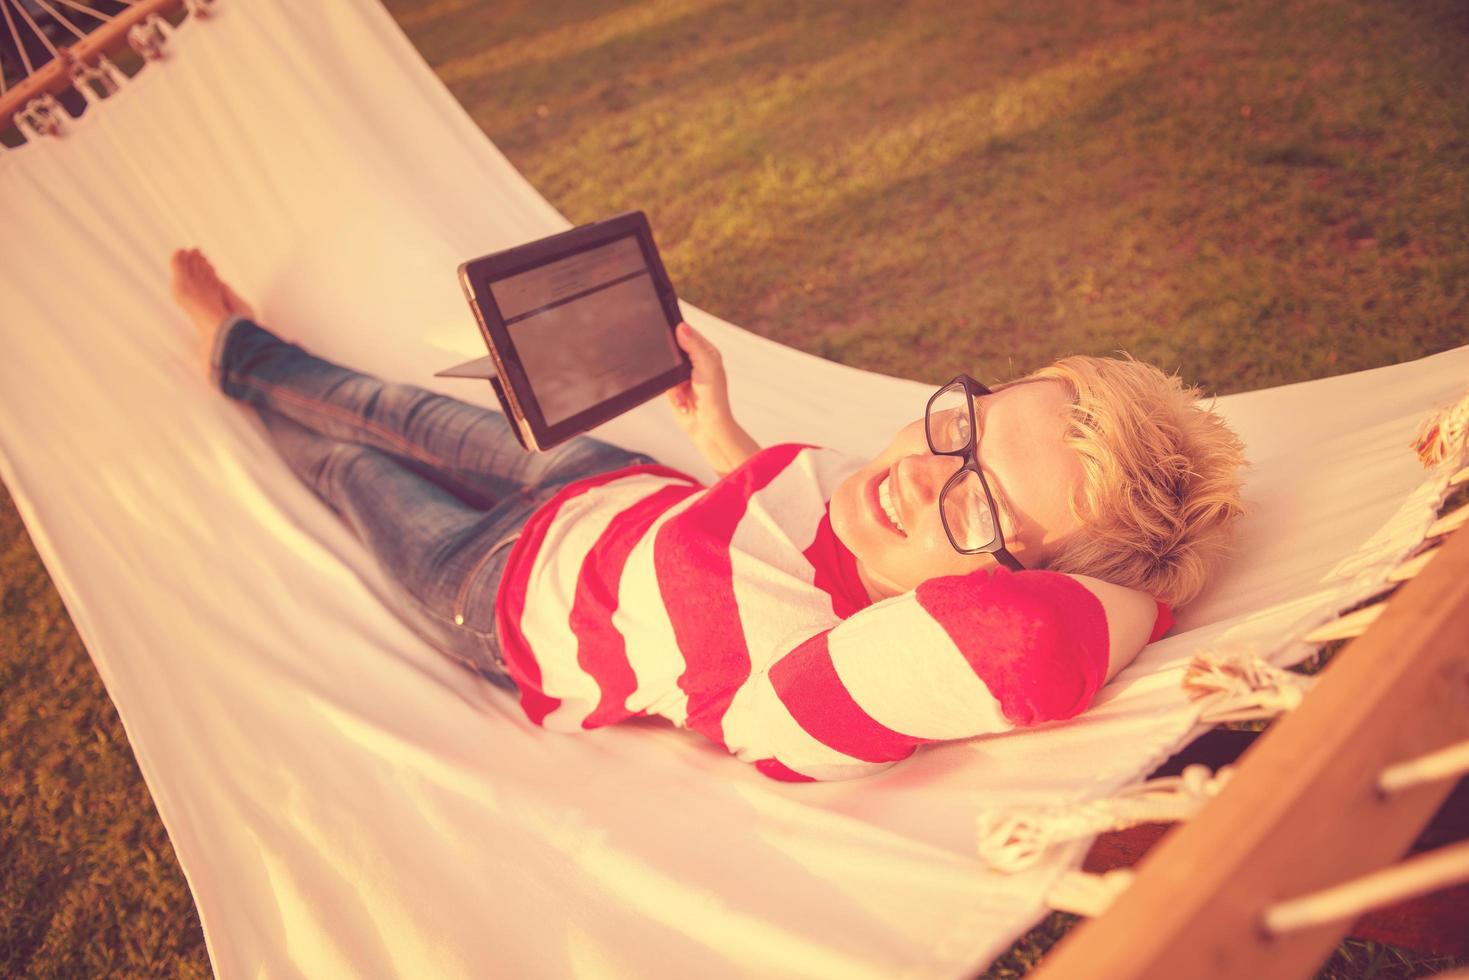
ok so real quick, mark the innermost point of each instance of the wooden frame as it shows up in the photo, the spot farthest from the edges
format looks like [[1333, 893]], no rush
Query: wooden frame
[[1302, 811], [53, 76]]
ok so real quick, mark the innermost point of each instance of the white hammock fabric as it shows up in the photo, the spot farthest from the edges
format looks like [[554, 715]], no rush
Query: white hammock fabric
[[343, 800]]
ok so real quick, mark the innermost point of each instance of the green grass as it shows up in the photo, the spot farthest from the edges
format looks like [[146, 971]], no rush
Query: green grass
[[1251, 193]]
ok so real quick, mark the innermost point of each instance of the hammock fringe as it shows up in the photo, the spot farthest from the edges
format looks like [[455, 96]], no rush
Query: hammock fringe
[[1013, 840]]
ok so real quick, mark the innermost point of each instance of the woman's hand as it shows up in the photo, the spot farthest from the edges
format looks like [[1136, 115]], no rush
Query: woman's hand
[[701, 405]]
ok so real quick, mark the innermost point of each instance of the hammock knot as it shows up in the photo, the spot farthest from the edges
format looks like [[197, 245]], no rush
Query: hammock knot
[[1238, 684], [95, 82], [150, 37], [1017, 839], [42, 116]]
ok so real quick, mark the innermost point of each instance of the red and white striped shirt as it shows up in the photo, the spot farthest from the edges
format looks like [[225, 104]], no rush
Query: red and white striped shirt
[[733, 610]]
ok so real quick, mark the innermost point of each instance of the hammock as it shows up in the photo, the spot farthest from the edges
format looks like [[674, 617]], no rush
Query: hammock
[[342, 799]]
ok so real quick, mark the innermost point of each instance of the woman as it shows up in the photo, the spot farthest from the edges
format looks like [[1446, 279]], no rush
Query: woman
[[816, 615]]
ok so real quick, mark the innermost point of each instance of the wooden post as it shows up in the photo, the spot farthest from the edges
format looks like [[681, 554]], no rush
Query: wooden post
[[1302, 811], [53, 77]]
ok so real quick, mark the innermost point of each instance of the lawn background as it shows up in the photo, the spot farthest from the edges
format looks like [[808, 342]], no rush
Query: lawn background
[[1249, 193]]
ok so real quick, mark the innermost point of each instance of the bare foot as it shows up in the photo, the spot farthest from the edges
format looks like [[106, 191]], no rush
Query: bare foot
[[200, 293]]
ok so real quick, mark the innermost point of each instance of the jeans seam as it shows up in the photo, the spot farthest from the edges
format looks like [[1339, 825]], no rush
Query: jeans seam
[[406, 447]]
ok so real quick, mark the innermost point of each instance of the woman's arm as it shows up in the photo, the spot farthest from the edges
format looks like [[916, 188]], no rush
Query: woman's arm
[[959, 656], [701, 406], [1130, 618]]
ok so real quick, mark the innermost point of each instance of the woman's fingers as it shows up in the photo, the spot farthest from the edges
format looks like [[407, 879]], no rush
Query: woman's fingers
[[708, 365]]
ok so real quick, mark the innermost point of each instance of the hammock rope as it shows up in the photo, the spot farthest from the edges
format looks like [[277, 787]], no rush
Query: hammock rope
[[1418, 875], [89, 11], [1446, 763], [60, 19], [1091, 895], [15, 35], [36, 28]]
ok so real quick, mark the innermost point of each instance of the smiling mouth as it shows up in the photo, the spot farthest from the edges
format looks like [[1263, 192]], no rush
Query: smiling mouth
[[880, 495]]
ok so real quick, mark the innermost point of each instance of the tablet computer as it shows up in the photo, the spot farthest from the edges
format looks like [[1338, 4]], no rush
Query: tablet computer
[[579, 327]]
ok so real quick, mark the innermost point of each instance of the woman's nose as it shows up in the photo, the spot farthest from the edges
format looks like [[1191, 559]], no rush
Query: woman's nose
[[923, 476]]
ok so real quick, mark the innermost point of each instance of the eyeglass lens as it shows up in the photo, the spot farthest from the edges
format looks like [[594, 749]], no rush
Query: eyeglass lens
[[965, 506], [948, 419], [967, 513]]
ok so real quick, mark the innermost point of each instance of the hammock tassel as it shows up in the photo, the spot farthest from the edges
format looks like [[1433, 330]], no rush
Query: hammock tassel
[[1239, 685], [1443, 434], [42, 116], [150, 38], [1086, 894], [1015, 840]]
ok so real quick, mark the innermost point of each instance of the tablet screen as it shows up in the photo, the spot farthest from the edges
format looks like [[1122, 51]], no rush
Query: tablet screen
[[587, 327]]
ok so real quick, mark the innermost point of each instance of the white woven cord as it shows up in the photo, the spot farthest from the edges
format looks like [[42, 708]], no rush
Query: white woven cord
[[87, 10], [15, 36], [56, 16], [1237, 684], [36, 27], [1445, 763], [1418, 875], [1013, 840]]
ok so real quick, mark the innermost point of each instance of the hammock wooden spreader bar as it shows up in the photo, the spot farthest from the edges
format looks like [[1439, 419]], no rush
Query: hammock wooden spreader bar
[[55, 75], [1305, 810]]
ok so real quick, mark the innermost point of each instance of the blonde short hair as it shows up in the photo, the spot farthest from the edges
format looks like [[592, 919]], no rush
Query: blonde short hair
[[1161, 492]]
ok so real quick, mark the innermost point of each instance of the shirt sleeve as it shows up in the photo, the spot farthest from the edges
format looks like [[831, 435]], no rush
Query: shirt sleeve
[[957, 657]]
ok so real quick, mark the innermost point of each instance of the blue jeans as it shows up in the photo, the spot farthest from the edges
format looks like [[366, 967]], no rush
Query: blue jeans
[[438, 489]]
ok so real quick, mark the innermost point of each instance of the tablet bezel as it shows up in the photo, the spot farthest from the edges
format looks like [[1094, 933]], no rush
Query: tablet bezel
[[476, 277]]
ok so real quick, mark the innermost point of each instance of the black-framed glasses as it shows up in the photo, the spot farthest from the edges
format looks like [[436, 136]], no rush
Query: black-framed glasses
[[966, 505]]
